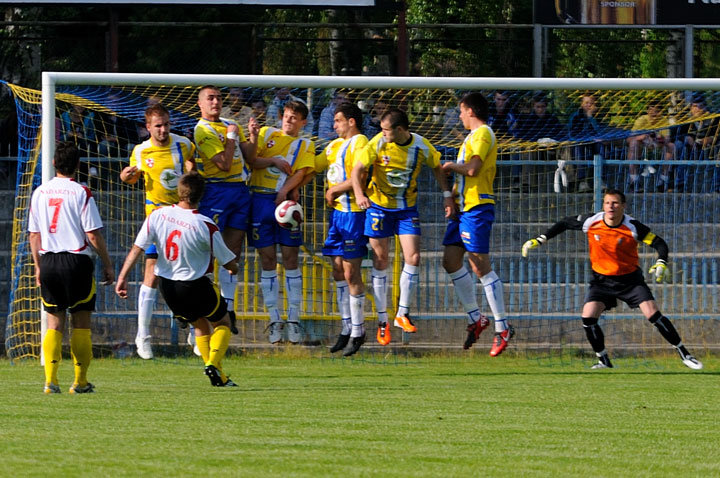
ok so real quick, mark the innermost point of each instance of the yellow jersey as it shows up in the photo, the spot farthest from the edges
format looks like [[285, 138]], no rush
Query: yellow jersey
[[338, 158], [478, 189], [395, 168], [210, 138], [162, 167], [272, 142], [645, 122]]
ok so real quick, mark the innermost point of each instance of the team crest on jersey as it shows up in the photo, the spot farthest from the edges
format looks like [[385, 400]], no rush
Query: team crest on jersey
[[334, 173], [270, 144], [149, 162], [597, 238], [385, 159]]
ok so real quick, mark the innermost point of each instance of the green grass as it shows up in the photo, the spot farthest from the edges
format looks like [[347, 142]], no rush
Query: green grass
[[299, 415]]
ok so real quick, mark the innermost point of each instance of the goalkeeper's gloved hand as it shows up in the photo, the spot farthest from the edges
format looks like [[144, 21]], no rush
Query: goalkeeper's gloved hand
[[532, 244], [660, 270]]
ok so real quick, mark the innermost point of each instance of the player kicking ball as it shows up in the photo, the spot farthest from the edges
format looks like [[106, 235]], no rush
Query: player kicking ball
[[187, 244], [613, 237]]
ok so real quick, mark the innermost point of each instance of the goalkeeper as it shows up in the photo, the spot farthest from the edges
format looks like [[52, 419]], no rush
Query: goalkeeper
[[613, 237]]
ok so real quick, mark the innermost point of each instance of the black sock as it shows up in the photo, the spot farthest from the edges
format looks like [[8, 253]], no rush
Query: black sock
[[666, 328], [594, 334]]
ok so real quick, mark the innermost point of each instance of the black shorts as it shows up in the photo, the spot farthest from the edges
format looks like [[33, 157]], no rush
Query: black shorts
[[67, 281], [193, 300], [630, 288]]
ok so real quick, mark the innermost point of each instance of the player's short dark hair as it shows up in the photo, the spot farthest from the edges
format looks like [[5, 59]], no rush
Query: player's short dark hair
[[350, 111], [297, 107], [396, 117], [67, 158], [477, 104], [615, 192], [155, 110], [207, 87], [191, 187]]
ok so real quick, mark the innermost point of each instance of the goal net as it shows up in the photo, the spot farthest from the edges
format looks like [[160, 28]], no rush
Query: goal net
[[560, 143]]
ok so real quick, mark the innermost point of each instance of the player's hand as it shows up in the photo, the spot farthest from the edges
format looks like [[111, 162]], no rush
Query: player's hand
[[253, 127], [233, 128], [450, 207], [660, 270], [280, 163], [108, 275], [532, 244], [130, 175], [448, 166], [280, 197], [363, 202], [37, 276], [294, 195], [121, 288], [330, 197]]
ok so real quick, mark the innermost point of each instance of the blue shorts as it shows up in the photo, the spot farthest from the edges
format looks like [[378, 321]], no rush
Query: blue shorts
[[381, 223], [345, 237], [265, 231], [228, 204], [471, 230]]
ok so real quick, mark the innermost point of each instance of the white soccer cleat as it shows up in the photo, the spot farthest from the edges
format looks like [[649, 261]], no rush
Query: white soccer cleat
[[275, 332], [692, 362], [294, 332], [192, 343], [144, 349]]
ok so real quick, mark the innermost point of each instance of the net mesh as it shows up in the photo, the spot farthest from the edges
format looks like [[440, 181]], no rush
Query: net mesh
[[554, 156]]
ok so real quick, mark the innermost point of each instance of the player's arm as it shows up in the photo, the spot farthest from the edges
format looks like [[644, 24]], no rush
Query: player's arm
[[574, 223], [358, 177], [660, 268], [98, 242], [249, 147], [224, 160], [292, 183], [35, 245], [122, 280], [448, 201], [468, 168]]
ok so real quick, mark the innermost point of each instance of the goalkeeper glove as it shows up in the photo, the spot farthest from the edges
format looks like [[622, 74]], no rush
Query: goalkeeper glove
[[660, 270], [532, 244]]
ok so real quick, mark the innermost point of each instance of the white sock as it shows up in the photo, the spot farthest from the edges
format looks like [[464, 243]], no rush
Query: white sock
[[379, 285], [293, 286], [464, 283], [228, 284], [357, 315], [493, 287], [408, 282], [146, 304], [346, 326], [343, 302], [269, 286]]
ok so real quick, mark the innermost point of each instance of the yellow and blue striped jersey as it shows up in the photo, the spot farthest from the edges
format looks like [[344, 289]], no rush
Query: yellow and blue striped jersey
[[395, 169], [272, 142], [338, 158], [478, 189], [210, 137], [162, 167]]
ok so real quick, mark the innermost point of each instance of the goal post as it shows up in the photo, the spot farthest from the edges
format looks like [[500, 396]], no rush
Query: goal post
[[537, 184]]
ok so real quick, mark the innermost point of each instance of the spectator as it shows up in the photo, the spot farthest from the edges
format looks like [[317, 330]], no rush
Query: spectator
[[371, 121], [78, 127], [116, 134], [327, 116], [652, 138], [584, 126], [696, 141], [502, 119], [277, 107], [259, 110], [236, 108]]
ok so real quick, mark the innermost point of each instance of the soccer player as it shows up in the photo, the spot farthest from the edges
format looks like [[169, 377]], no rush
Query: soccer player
[[187, 244], [225, 158], [396, 156], [470, 229], [613, 237], [160, 160], [346, 243], [63, 223], [283, 161]]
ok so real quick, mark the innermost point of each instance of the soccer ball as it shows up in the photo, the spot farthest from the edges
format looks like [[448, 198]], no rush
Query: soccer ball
[[289, 214]]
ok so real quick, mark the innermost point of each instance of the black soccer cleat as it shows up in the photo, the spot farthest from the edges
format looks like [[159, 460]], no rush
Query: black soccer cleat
[[214, 375], [354, 346], [341, 343]]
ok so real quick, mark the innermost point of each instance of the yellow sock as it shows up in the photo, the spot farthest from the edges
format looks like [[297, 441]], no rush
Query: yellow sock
[[52, 350], [203, 343], [219, 341], [81, 348]]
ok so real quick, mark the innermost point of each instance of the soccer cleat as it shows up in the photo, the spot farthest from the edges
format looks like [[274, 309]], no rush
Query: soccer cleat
[[383, 333], [603, 362], [341, 343], [354, 346], [229, 383], [275, 332], [688, 359], [51, 388], [233, 322], [405, 323], [294, 332], [144, 349], [214, 375], [77, 388], [474, 330], [501, 340]]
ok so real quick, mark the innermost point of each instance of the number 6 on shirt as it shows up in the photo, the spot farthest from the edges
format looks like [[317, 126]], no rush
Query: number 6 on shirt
[[171, 248]]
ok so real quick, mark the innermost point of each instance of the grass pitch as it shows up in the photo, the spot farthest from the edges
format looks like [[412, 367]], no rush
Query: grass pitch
[[301, 415]]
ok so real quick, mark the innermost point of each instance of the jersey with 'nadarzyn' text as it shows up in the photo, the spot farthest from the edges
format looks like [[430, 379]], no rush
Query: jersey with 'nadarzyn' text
[[299, 153], [162, 167], [186, 242], [478, 189], [210, 138], [62, 211], [339, 157], [395, 169]]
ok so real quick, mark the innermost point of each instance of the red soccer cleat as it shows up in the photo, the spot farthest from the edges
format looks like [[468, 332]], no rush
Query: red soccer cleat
[[501, 341]]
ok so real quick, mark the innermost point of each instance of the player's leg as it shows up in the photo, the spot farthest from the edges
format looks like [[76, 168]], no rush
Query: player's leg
[[147, 295], [271, 291], [352, 267], [410, 244], [590, 315], [81, 350], [294, 289], [52, 349], [234, 239], [202, 331], [667, 330], [342, 296], [380, 248]]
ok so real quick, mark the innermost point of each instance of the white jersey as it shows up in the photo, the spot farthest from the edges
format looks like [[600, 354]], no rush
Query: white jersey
[[62, 211], [186, 242]]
